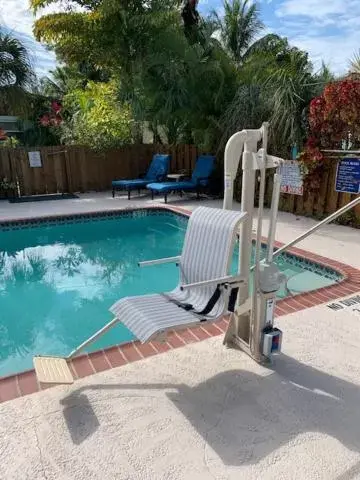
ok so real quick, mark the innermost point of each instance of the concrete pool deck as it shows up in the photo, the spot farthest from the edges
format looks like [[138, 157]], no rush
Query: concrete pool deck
[[203, 411]]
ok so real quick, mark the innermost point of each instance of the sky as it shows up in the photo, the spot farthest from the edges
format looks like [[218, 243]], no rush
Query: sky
[[327, 29]]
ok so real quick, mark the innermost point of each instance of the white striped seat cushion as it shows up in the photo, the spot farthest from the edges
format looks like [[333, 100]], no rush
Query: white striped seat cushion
[[207, 254]]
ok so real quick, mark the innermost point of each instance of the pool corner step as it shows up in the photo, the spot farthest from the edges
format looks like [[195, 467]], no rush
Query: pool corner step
[[53, 370]]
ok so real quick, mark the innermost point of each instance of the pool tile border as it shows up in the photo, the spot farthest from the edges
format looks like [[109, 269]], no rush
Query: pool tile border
[[25, 383], [28, 222]]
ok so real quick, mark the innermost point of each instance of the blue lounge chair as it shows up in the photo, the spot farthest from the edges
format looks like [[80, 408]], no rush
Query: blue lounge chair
[[157, 172], [204, 167]]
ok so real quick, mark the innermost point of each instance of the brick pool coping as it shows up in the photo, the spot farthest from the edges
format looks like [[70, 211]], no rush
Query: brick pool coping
[[25, 383]]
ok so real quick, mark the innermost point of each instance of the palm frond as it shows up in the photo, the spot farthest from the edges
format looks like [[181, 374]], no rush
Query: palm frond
[[355, 63]]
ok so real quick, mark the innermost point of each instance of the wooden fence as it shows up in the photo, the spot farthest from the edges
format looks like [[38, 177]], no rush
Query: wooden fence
[[77, 169]]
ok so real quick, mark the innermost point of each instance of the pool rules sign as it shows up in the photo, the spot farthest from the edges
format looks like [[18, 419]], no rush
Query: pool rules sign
[[34, 159], [291, 178], [348, 175]]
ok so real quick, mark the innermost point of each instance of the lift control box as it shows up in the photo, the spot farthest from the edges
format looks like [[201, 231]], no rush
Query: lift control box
[[272, 341]]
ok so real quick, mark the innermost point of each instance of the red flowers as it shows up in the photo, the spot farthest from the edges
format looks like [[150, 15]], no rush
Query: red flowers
[[45, 120], [3, 135], [336, 113], [52, 118], [56, 106], [334, 117]]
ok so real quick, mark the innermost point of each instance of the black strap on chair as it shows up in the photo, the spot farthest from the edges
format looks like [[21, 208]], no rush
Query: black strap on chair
[[232, 299], [211, 303], [208, 307]]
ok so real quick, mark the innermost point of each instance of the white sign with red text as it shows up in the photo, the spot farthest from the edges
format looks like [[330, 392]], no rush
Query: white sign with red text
[[291, 180]]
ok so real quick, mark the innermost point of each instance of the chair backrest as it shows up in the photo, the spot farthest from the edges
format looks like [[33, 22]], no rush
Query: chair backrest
[[159, 167], [204, 167], [209, 244]]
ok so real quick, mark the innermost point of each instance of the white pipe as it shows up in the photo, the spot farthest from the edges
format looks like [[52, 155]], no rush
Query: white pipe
[[213, 281], [94, 337], [273, 217], [255, 325], [247, 205], [232, 154], [158, 261]]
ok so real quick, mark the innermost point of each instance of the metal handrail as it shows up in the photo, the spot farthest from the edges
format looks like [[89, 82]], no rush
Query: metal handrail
[[311, 230]]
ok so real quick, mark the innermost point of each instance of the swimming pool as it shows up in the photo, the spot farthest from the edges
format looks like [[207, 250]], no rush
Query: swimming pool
[[59, 277]]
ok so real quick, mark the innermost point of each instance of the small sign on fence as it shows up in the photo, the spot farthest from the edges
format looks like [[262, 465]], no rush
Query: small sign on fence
[[348, 175], [291, 181], [34, 159]]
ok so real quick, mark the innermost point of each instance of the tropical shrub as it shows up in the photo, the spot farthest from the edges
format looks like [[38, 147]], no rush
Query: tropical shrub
[[95, 118], [334, 123]]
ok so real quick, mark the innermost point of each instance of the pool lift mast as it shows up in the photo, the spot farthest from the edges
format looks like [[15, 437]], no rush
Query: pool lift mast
[[251, 325]]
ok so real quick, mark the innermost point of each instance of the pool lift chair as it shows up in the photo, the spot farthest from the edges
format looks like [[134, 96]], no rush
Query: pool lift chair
[[207, 290]]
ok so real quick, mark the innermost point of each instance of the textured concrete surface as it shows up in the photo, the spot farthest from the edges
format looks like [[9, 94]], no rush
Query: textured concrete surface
[[202, 412], [339, 242]]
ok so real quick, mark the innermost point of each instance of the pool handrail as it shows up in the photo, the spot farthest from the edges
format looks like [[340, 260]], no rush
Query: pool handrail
[[313, 229]]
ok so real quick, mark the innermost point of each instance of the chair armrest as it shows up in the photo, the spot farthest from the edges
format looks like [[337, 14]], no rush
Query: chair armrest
[[229, 279], [159, 261]]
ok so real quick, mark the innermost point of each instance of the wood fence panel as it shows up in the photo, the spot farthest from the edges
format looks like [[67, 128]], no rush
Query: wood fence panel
[[309, 200], [68, 172], [319, 207], [193, 156], [173, 161], [187, 158], [299, 205], [78, 169], [74, 168], [5, 165], [26, 172], [332, 195], [48, 171], [344, 198], [56, 158]]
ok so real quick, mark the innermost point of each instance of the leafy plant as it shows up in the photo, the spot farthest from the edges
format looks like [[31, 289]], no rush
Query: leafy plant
[[6, 185], [10, 142], [95, 118], [334, 121]]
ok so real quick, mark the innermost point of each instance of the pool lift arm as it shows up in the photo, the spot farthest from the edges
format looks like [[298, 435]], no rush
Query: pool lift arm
[[251, 325]]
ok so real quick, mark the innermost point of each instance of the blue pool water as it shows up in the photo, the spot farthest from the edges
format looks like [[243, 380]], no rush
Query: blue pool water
[[57, 280]]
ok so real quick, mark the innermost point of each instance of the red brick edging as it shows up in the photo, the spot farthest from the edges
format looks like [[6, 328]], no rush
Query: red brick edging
[[25, 383]]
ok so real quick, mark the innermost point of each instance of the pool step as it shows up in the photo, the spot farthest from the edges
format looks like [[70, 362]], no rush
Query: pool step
[[52, 370]]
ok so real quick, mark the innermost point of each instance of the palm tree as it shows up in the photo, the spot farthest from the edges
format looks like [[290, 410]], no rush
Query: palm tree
[[239, 27], [16, 74], [276, 84], [59, 83], [66, 78], [355, 63]]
